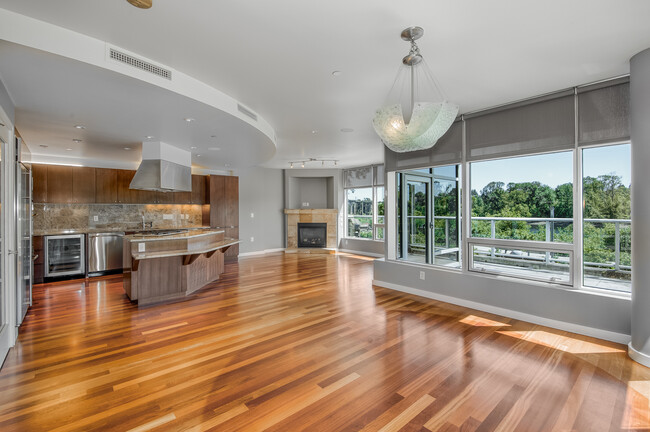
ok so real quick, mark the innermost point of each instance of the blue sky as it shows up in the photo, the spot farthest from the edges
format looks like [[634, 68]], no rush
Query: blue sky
[[555, 168]]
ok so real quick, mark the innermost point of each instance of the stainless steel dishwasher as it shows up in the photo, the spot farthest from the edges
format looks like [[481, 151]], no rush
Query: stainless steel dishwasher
[[104, 252]]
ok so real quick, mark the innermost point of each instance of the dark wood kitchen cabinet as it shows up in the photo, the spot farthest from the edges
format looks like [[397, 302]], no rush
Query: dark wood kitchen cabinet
[[224, 209], [197, 195], [39, 262], [39, 182], [105, 186], [59, 184], [83, 185]]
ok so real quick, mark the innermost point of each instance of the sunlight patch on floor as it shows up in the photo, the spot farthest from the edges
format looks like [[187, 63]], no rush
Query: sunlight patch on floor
[[562, 343], [477, 321]]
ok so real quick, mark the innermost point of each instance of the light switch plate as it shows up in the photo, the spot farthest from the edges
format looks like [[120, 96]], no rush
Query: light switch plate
[[95, 218], [305, 204], [168, 216], [141, 247]]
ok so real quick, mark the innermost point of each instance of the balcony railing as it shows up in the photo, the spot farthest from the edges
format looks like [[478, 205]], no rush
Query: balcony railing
[[549, 224]]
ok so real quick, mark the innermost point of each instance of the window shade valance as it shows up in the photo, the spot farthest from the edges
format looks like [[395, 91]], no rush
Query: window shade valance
[[604, 112]]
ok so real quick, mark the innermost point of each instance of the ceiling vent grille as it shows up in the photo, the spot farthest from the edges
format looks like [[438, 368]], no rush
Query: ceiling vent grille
[[140, 64], [246, 111]]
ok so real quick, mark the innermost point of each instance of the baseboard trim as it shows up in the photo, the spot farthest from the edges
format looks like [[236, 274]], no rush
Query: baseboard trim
[[560, 325], [638, 356], [356, 252], [262, 252]]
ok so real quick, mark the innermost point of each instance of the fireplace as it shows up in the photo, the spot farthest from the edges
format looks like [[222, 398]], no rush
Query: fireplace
[[312, 235]]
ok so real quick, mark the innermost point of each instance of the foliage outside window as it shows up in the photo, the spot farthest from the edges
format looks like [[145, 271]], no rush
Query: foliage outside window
[[607, 218], [364, 197]]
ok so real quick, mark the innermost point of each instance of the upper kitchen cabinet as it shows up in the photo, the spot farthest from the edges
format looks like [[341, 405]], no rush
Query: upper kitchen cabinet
[[197, 196], [39, 181], [124, 194], [83, 185], [59, 184], [105, 186]]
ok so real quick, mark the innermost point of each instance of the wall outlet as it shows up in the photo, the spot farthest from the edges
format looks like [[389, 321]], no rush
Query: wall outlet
[[168, 216], [95, 218], [252, 215], [305, 204], [141, 247], [252, 239], [422, 275]]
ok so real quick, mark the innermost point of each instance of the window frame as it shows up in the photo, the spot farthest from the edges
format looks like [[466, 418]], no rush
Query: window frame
[[375, 184]]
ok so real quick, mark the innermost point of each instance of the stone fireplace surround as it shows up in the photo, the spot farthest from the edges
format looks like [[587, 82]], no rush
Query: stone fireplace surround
[[294, 216]]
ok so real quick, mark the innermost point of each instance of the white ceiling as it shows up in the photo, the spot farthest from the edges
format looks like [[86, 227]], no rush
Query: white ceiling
[[277, 58]]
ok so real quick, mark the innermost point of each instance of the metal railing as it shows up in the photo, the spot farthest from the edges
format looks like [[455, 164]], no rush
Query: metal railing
[[549, 228]]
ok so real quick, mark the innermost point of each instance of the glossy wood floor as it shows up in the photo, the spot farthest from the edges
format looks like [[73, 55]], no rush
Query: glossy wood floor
[[291, 342]]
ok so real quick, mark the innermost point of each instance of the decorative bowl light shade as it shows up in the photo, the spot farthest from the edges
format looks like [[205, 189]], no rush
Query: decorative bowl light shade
[[409, 122], [429, 121]]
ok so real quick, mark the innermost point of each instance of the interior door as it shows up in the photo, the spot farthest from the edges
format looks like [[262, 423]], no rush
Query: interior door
[[24, 241], [416, 206]]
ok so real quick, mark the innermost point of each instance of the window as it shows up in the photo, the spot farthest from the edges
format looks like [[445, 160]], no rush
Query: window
[[521, 206], [364, 198], [606, 217], [428, 216]]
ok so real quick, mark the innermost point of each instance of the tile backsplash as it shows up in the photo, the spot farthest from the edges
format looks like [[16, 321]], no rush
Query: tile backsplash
[[113, 217]]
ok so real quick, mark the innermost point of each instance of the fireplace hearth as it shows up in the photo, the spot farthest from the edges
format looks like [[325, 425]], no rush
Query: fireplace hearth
[[312, 235]]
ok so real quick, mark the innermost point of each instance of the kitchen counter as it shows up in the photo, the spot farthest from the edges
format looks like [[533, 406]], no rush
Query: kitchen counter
[[109, 230], [165, 267]]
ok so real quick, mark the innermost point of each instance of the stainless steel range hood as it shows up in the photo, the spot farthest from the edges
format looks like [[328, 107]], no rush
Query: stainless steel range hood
[[164, 168]]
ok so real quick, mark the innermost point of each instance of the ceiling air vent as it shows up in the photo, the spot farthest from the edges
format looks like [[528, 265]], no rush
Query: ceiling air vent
[[140, 64], [246, 111]]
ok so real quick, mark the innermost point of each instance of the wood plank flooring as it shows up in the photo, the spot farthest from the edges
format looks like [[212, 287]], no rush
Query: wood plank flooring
[[305, 342]]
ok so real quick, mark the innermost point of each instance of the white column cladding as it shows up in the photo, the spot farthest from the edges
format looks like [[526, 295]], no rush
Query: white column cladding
[[639, 347]]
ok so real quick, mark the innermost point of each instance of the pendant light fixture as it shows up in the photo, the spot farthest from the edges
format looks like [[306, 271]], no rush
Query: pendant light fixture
[[411, 120], [142, 4]]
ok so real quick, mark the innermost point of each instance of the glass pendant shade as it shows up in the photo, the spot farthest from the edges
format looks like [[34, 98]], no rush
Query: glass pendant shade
[[411, 119], [429, 121]]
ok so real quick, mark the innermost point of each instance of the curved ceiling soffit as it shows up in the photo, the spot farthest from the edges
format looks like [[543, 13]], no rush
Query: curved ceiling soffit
[[50, 38]]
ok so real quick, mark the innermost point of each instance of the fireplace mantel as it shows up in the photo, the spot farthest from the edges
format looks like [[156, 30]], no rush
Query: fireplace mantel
[[294, 216]]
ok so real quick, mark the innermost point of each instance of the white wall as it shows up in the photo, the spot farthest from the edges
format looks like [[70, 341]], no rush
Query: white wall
[[261, 192]]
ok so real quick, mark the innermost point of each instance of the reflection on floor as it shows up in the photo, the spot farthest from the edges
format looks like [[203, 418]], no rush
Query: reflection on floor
[[292, 342]]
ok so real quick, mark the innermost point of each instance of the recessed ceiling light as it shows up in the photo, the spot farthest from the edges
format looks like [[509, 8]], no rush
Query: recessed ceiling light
[[336, 73], [189, 119], [198, 155], [193, 148], [43, 145], [214, 148], [127, 148], [149, 137], [69, 149], [80, 126], [347, 130], [314, 131], [76, 140]]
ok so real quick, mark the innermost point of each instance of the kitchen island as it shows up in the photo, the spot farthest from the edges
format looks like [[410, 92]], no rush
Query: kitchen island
[[161, 267]]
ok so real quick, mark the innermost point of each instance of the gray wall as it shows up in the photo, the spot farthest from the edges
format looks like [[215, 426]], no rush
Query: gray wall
[[311, 190], [600, 312], [7, 104], [294, 178], [364, 246], [261, 192]]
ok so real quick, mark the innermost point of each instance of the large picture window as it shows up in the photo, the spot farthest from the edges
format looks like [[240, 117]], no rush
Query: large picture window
[[364, 202], [607, 219]]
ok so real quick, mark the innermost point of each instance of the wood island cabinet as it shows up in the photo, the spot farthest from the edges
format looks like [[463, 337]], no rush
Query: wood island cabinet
[[39, 262]]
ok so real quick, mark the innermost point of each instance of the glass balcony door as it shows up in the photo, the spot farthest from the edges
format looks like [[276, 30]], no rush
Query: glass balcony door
[[417, 224]]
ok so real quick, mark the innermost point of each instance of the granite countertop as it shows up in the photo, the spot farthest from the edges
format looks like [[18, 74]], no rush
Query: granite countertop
[[172, 236], [169, 253], [110, 230]]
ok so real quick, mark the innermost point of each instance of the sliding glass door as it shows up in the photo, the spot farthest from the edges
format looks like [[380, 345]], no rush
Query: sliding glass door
[[416, 220]]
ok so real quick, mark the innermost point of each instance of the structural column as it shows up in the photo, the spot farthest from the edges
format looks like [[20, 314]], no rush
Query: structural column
[[639, 348]]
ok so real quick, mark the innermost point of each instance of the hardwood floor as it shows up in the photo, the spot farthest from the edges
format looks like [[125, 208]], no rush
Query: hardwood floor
[[305, 342]]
